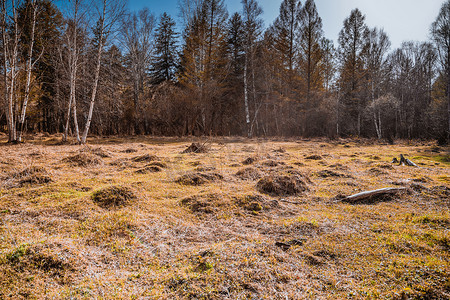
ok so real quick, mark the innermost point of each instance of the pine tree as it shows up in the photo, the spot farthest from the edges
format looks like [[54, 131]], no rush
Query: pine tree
[[165, 59]]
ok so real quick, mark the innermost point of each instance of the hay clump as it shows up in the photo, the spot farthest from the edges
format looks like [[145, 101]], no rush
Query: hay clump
[[282, 185], [196, 148], [271, 163], [205, 204], [153, 167], [314, 157], [330, 173], [145, 158], [248, 173], [249, 160], [114, 196], [95, 151], [52, 259], [149, 169], [32, 175], [129, 150], [83, 160], [198, 178]]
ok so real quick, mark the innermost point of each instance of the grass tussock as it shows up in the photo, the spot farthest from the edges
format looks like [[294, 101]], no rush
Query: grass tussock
[[83, 160], [196, 148], [33, 175], [114, 196], [100, 152], [197, 178], [145, 158], [249, 173], [277, 185]]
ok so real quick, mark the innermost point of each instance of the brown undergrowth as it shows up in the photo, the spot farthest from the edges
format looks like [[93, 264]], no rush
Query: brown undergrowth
[[246, 219]]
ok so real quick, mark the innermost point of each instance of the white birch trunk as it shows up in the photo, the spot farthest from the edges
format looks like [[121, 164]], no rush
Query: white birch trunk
[[97, 75], [247, 112], [28, 71]]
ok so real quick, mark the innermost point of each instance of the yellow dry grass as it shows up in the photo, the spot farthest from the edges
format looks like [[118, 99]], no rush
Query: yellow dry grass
[[218, 236]]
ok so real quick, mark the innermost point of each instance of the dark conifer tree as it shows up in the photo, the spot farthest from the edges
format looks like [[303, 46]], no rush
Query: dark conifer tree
[[165, 60]]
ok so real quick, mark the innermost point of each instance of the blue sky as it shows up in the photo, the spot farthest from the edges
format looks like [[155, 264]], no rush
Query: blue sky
[[402, 19]]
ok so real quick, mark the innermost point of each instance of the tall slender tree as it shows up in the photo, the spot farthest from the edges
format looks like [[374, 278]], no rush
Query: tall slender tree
[[375, 51], [11, 33], [253, 26], [32, 7], [137, 39], [310, 54], [165, 60], [351, 46], [286, 32], [109, 12]]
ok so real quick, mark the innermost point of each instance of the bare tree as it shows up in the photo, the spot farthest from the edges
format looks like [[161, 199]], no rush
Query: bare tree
[[29, 66], [137, 39], [253, 25], [72, 28], [109, 13], [10, 39]]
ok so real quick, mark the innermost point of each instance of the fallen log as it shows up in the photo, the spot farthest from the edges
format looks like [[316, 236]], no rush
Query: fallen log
[[361, 197], [405, 161]]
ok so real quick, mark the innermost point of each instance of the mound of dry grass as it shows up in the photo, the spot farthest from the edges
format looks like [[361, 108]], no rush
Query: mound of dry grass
[[206, 204], [129, 150], [145, 158], [198, 178], [249, 173], [114, 196], [330, 173], [282, 185], [196, 148], [29, 176], [314, 157], [149, 169], [83, 160], [95, 151], [272, 163], [249, 160], [39, 257]]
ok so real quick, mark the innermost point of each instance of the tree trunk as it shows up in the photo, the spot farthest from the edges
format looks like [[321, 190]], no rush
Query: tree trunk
[[247, 113], [12, 80], [97, 74], [364, 196], [28, 71]]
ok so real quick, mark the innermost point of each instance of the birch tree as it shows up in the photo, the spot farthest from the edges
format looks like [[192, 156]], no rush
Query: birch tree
[[10, 42], [33, 6], [253, 25], [73, 24], [109, 12], [137, 39]]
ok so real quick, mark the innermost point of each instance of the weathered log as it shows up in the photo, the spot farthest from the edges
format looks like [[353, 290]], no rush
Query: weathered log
[[369, 194], [405, 161]]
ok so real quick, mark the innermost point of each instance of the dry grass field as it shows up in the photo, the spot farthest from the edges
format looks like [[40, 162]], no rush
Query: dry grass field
[[247, 219]]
